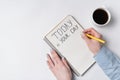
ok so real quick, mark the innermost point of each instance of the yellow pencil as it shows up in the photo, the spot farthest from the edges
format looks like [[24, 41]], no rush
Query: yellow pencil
[[97, 39]]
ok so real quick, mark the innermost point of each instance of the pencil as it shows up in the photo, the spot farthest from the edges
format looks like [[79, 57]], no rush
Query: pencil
[[97, 39]]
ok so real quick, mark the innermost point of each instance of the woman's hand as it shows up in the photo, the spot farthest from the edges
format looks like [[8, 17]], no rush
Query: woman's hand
[[59, 67], [93, 45]]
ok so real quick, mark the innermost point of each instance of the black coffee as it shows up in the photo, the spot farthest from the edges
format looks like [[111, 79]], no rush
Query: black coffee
[[100, 16]]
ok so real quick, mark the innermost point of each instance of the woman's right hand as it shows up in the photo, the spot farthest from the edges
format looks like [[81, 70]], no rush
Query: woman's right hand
[[93, 45]]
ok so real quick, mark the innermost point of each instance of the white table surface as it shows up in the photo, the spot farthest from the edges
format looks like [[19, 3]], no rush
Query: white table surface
[[23, 23]]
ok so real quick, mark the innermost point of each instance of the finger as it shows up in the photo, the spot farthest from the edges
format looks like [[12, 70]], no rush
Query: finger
[[92, 32], [87, 30], [85, 38], [55, 57], [65, 63], [96, 34], [51, 64]]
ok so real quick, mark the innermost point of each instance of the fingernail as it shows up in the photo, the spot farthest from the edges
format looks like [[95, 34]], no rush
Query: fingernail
[[47, 55], [51, 50], [81, 35], [63, 58]]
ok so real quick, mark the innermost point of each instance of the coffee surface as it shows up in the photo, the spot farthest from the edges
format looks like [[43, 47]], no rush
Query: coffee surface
[[100, 16]]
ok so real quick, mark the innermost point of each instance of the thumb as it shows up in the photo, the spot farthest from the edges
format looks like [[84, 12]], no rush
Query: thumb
[[85, 38]]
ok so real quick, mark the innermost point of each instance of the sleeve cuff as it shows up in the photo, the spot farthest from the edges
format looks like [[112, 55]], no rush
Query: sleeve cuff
[[102, 57]]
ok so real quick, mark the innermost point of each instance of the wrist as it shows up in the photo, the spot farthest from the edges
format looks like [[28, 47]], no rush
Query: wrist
[[97, 50]]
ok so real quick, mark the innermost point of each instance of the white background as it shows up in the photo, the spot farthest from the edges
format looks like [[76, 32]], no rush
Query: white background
[[23, 23]]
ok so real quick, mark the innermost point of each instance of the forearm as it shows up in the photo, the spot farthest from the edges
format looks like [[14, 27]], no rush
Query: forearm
[[109, 62]]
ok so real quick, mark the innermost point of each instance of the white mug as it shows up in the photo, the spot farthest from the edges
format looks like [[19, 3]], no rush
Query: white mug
[[101, 16]]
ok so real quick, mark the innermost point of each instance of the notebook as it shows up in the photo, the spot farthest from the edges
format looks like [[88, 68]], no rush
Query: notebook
[[65, 39]]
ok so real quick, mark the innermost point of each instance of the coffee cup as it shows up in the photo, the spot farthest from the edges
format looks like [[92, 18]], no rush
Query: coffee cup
[[101, 16]]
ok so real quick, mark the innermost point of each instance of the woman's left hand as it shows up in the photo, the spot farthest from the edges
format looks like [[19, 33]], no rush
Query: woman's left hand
[[59, 67]]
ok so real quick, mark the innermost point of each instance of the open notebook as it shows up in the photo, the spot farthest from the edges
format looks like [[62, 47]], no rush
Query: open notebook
[[66, 39]]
